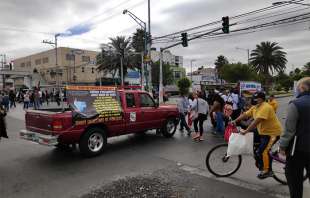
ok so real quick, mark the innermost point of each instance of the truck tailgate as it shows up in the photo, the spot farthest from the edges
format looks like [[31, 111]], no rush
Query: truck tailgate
[[42, 121]]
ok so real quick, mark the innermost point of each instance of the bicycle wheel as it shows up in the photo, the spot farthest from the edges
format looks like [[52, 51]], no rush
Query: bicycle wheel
[[278, 169], [221, 165]]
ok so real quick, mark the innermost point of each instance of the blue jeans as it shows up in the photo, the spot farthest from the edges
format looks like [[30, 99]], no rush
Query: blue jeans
[[183, 123], [220, 127], [26, 105]]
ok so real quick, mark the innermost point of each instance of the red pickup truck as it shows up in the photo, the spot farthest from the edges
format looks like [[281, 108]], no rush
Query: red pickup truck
[[132, 111]]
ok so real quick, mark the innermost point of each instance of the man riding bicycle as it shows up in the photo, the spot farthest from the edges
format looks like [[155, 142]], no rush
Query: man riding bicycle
[[269, 131]]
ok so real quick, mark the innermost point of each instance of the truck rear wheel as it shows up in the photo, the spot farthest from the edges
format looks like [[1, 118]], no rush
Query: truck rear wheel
[[93, 142], [169, 128]]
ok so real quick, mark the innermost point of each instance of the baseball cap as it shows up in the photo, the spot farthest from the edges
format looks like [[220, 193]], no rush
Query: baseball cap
[[261, 95]]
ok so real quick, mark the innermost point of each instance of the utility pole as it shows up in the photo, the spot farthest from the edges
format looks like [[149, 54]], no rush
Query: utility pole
[[122, 72], [56, 64], [248, 53], [142, 70], [192, 70], [3, 61], [56, 55], [149, 75], [161, 86]]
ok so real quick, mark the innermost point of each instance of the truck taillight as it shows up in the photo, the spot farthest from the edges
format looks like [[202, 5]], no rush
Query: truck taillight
[[57, 125]]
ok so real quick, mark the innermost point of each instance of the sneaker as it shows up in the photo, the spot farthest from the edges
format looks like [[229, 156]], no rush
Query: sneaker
[[196, 136], [264, 175], [189, 132], [201, 139]]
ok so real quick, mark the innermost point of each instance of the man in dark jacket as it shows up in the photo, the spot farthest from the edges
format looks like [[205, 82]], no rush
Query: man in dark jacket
[[295, 141], [3, 132]]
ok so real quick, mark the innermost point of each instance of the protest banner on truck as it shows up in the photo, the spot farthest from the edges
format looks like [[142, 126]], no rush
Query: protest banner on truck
[[95, 104]]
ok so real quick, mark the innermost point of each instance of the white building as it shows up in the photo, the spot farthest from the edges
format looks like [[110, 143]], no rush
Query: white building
[[168, 57], [203, 75]]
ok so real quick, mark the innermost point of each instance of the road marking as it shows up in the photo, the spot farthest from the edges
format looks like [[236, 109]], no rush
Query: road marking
[[232, 181]]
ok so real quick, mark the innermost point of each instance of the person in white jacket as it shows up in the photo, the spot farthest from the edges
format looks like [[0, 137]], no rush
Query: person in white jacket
[[201, 107]]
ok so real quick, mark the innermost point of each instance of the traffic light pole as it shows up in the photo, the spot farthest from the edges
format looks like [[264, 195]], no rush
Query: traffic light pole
[[161, 93]]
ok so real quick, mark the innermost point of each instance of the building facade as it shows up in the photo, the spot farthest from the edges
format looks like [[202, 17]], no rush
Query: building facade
[[203, 75], [168, 58], [74, 66]]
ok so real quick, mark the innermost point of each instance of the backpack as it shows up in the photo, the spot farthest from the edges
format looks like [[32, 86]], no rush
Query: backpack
[[241, 103]]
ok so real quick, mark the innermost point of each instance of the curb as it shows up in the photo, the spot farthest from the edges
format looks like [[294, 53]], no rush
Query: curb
[[283, 96]]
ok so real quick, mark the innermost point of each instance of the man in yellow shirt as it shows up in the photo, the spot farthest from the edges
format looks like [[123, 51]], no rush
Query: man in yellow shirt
[[272, 101], [269, 131]]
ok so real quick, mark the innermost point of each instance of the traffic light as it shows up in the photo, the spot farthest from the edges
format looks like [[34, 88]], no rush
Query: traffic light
[[184, 39], [225, 24]]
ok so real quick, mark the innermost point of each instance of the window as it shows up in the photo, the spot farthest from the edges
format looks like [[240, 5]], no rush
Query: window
[[28, 64], [83, 70], [146, 101], [92, 70], [38, 62], [85, 59], [70, 57], [22, 65], [177, 75], [130, 100], [45, 60]]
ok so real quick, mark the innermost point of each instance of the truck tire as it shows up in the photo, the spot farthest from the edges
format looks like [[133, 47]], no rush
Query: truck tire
[[169, 127], [93, 142]]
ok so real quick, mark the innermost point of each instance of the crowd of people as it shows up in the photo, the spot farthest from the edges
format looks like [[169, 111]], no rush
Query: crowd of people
[[220, 106], [258, 115], [30, 98]]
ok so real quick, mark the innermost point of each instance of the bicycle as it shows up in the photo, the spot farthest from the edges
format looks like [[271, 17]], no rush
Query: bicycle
[[278, 164]]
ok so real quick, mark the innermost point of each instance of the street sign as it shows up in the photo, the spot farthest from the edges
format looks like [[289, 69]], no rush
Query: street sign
[[147, 58]]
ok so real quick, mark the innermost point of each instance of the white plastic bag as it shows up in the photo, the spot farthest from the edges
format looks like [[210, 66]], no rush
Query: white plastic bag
[[240, 144]]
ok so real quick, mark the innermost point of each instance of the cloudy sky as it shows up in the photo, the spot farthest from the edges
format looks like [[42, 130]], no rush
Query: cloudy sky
[[87, 23]]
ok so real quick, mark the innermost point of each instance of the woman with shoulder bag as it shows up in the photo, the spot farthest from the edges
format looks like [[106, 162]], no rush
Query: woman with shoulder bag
[[201, 107], [3, 132]]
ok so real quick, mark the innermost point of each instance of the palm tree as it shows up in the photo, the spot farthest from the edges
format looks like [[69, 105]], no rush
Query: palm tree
[[268, 58], [109, 60]]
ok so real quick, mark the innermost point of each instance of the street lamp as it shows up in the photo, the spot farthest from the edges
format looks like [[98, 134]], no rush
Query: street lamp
[[193, 60], [290, 2], [142, 24], [73, 53], [248, 53]]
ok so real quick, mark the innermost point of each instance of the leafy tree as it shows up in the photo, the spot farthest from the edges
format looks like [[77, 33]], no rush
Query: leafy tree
[[184, 85], [138, 40], [167, 74], [306, 69], [220, 62], [236, 72], [283, 80], [268, 58]]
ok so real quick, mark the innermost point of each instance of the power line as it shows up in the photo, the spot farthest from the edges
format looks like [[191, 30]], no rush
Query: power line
[[234, 17]]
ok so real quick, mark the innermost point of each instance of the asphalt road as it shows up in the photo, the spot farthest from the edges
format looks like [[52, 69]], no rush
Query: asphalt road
[[34, 171]]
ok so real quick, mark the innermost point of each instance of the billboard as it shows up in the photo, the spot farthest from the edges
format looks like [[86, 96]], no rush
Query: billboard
[[250, 86]]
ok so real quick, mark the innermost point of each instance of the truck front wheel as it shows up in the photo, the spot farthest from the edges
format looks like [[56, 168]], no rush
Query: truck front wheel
[[169, 128], [93, 142]]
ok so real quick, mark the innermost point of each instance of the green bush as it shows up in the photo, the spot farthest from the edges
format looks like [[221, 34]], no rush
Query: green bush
[[184, 85]]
